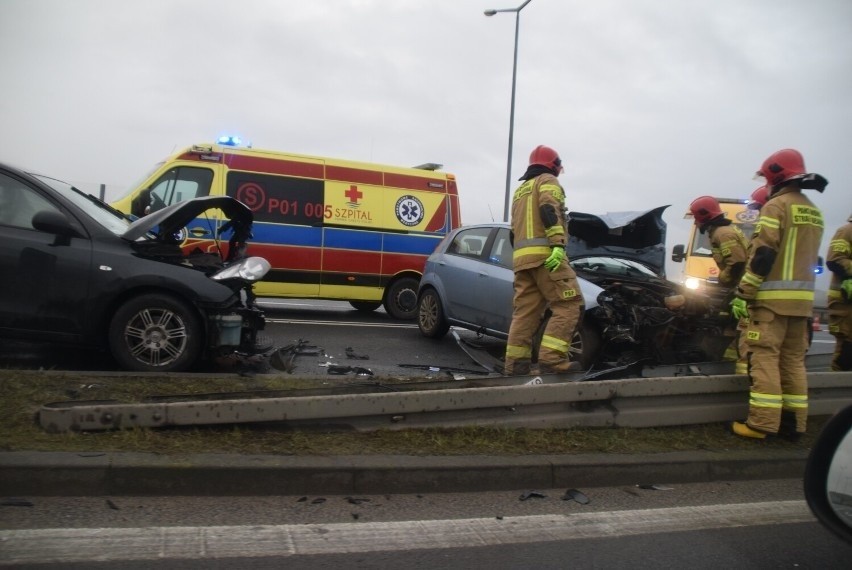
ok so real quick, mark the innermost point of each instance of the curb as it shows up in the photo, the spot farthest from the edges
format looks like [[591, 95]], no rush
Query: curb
[[135, 474]]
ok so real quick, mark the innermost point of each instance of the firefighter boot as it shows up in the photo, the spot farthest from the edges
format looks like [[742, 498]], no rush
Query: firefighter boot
[[560, 367], [742, 429], [787, 430], [516, 367]]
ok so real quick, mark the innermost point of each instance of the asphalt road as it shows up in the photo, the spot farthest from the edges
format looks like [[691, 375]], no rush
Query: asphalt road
[[748, 524], [330, 326]]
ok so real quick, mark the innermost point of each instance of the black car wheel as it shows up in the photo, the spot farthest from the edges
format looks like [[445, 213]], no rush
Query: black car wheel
[[155, 333], [430, 315], [365, 306], [585, 346], [401, 299]]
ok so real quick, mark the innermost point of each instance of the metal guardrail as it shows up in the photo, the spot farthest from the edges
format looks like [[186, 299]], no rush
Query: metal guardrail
[[637, 402]]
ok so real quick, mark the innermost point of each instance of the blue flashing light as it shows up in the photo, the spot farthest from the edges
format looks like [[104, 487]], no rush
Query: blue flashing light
[[229, 140], [818, 269]]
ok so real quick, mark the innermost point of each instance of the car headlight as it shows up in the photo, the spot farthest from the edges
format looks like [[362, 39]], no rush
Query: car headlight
[[692, 283], [249, 269]]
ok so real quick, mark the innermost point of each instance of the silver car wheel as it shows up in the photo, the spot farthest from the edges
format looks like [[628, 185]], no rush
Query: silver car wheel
[[156, 337]]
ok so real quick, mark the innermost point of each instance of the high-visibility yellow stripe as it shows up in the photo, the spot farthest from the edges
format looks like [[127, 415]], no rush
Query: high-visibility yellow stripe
[[530, 251], [840, 246], [556, 230], [796, 401], [769, 222], [790, 254], [787, 294], [529, 222], [553, 189], [518, 352], [554, 343], [752, 279], [759, 400]]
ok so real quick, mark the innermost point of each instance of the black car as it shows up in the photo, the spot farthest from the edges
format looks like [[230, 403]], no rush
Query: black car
[[74, 270]]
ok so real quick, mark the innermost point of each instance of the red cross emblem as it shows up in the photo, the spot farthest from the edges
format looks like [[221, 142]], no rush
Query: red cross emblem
[[353, 194]]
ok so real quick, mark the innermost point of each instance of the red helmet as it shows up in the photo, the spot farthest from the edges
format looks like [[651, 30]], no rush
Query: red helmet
[[547, 157], [782, 166], [758, 198], [704, 209]]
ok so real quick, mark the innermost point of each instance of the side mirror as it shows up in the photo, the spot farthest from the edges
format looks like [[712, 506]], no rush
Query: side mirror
[[53, 222], [828, 475], [679, 253]]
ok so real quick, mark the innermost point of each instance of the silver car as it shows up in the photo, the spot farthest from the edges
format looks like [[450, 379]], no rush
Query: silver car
[[632, 313]]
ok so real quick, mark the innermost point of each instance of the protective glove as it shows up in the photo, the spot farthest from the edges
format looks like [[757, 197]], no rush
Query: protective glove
[[846, 289], [554, 260], [739, 308]]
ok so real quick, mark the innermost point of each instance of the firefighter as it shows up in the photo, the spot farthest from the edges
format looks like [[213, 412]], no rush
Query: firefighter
[[728, 245], [839, 262], [758, 198], [543, 278], [777, 292]]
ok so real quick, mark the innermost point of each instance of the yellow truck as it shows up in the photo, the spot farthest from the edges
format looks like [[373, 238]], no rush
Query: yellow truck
[[699, 269]]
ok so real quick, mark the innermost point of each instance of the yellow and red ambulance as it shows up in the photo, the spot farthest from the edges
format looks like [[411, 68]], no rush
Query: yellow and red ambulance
[[331, 229]]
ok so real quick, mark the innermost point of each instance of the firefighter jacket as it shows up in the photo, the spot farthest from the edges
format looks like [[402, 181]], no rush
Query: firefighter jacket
[[784, 250], [839, 261], [729, 252], [535, 199]]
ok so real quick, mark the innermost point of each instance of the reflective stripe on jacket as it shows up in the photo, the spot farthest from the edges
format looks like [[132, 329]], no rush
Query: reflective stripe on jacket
[[788, 235], [532, 241]]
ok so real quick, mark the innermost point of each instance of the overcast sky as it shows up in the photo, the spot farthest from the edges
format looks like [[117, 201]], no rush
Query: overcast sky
[[649, 102]]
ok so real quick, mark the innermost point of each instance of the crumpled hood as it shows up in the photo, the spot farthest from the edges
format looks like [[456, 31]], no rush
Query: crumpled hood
[[638, 236], [175, 217]]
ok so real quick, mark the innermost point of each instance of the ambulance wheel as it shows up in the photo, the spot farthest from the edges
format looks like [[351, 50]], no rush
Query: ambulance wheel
[[430, 315], [155, 333], [365, 306], [401, 299]]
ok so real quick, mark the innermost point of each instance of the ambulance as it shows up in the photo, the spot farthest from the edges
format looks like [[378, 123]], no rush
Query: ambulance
[[331, 229], [699, 269]]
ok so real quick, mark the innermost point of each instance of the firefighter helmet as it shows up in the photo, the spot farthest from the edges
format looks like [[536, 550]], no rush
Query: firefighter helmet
[[758, 198], [704, 209], [547, 157], [781, 166]]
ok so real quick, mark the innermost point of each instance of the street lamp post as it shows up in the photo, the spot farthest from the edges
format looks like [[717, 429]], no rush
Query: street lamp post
[[517, 12]]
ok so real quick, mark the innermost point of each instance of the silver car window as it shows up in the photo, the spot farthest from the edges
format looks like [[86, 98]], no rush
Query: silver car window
[[469, 243]]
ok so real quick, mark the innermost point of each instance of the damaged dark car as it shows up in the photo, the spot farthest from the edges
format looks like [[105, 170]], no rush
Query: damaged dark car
[[75, 271], [633, 314]]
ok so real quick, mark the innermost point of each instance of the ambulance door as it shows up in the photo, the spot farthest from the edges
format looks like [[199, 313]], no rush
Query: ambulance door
[[353, 236], [287, 229]]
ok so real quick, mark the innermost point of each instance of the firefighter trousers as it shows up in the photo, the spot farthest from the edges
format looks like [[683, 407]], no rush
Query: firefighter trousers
[[535, 290], [840, 325], [777, 345]]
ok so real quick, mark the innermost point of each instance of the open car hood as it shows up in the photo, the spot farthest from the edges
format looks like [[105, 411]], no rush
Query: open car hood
[[638, 236], [173, 218]]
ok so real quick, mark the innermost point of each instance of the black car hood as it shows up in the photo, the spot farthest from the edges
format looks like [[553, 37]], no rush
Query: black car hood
[[173, 218], [639, 236]]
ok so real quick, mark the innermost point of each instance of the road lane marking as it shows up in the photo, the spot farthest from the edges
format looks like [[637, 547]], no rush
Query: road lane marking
[[42, 546], [340, 323]]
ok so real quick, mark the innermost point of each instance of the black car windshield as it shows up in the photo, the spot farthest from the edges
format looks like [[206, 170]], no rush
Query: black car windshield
[[612, 266], [97, 210]]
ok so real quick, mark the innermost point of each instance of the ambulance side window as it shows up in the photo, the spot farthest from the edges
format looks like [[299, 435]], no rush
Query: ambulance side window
[[180, 184]]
